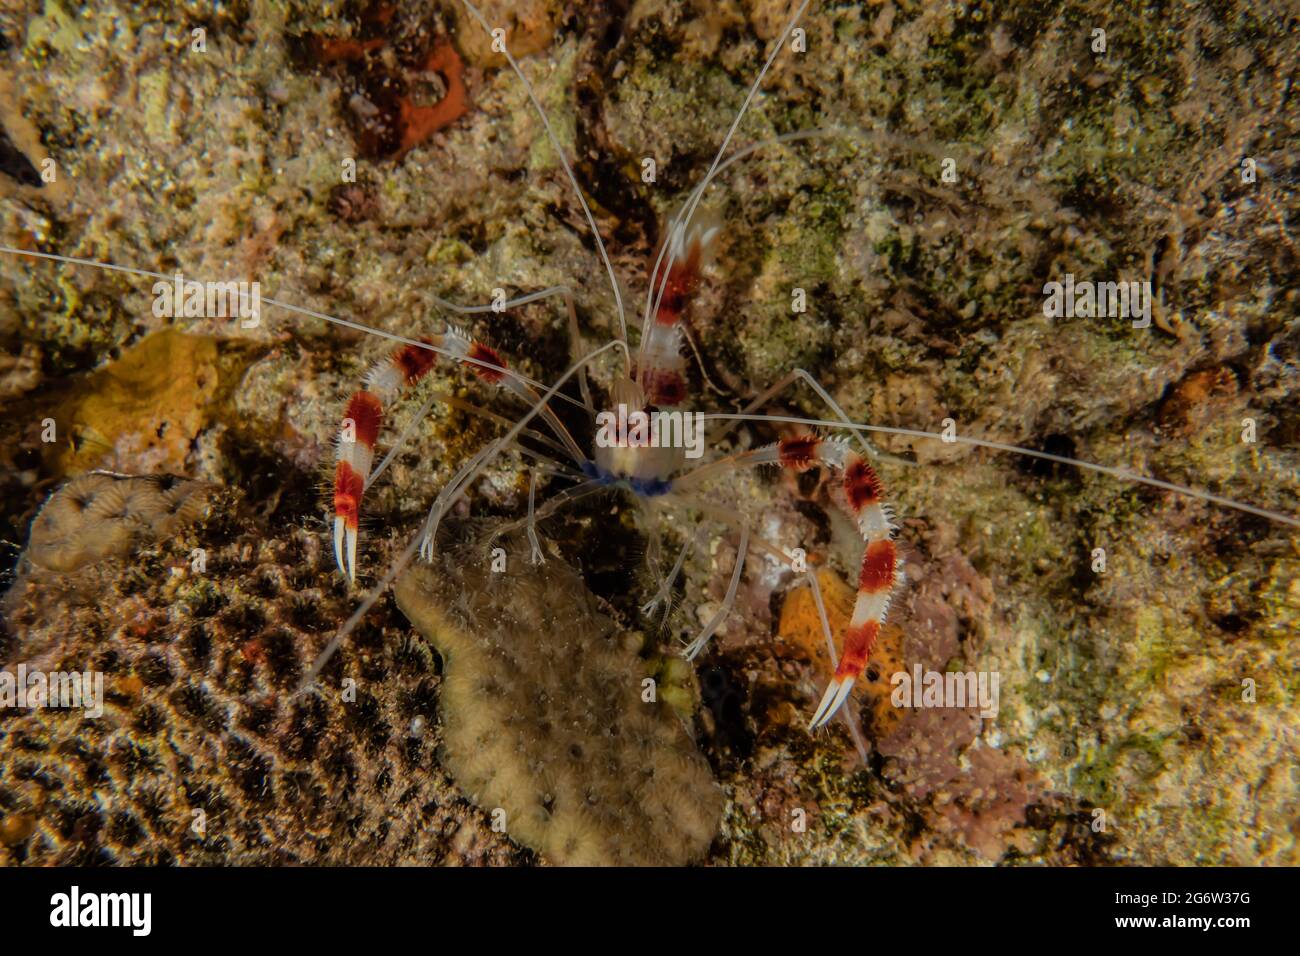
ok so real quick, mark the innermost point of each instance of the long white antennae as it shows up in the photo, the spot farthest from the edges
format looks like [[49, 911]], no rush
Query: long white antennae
[[749, 97], [333, 320], [1114, 472], [555, 144], [492, 307], [653, 297]]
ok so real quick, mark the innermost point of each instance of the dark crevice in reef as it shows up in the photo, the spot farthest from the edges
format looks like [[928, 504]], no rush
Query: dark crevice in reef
[[1053, 444], [268, 478], [603, 172], [605, 550], [15, 164], [723, 694], [1070, 832], [8, 640]]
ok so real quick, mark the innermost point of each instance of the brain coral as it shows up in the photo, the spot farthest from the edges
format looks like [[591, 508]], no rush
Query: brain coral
[[101, 514], [204, 754], [544, 715]]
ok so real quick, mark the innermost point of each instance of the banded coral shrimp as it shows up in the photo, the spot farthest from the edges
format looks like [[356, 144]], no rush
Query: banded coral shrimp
[[657, 381], [732, 576]]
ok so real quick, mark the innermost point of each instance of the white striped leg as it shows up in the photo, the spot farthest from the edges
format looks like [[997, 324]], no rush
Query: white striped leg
[[789, 379]]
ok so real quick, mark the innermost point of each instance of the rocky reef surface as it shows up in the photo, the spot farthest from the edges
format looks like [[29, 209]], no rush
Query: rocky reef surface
[[1146, 711]]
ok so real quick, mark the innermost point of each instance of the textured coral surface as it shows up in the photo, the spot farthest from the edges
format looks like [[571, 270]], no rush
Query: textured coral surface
[[205, 752], [546, 713]]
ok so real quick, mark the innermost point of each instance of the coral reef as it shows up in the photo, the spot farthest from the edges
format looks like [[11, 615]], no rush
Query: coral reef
[[146, 408], [101, 514], [80, 539], [545, 713], [385, 100], [204, 753], [1158, 692]]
